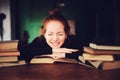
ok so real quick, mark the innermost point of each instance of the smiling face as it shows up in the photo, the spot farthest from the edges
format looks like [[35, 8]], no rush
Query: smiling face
[[55, 34]]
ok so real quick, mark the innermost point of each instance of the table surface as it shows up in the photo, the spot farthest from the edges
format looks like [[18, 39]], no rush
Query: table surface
[[57, 72]]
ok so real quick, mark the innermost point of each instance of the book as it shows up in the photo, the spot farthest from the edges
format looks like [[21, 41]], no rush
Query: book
[[96, 64], [8, 50], [10, 53], [108, 65], [94, 57], [52, 59], [82, 61], [8, 45], [81, 58], [8, 59], [100, 51], [104, 65], [104, 47], [11, 64]]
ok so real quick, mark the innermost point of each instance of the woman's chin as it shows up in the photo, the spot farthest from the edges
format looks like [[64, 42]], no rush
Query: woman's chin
[[55, 46]]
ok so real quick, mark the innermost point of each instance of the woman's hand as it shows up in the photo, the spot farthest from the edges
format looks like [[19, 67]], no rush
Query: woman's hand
[[64, 50]]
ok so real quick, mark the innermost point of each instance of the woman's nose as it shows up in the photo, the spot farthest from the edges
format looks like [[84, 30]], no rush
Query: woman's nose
[[55, 37]]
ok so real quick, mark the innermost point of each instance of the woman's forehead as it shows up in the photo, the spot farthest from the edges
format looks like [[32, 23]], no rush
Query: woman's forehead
[[54, 24]]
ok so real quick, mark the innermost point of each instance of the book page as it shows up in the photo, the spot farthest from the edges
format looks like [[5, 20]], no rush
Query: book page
[[10, 64], [101, 57], [96, 63], [49, 58], [81, 58], [8, 59], [104, 47], [42, 60]]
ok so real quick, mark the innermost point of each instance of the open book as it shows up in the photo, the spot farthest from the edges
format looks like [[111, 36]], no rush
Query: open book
[[59, 58]]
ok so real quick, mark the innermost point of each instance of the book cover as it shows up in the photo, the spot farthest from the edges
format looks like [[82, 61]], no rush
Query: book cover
[[101, 51], [104, 47], [108, 65], [94, 57]]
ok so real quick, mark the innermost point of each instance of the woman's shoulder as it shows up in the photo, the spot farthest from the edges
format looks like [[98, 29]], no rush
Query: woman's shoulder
[[39, 40]]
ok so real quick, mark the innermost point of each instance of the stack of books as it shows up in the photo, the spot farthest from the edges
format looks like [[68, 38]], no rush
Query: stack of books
[[104, 57], [8, 53]]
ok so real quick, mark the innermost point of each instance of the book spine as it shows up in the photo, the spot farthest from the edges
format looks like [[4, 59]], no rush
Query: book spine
[[10, 54]]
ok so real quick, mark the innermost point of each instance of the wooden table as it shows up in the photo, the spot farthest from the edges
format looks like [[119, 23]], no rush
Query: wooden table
[[57, 72]]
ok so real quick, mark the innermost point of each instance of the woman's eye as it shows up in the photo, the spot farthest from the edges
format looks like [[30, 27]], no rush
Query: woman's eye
[[60, 34], [49, 34]]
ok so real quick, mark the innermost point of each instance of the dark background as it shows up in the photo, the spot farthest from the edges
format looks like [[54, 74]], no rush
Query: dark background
[[94, 19]]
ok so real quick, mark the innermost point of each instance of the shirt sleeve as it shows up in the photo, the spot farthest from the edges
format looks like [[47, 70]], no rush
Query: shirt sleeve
[[37, 47], [74, 42]]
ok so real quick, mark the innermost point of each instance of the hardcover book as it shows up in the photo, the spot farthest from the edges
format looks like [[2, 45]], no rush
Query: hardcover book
[[107, 65], [104, 65], [101, 51], [8, 45], [8, 59], [104, 47], [10, 64], [94, 57], [96, 64], [10, 53]]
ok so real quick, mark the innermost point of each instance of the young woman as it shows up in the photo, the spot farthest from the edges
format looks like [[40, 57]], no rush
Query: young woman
[[55, 38]]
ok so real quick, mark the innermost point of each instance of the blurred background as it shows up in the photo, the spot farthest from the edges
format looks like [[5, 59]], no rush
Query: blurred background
[[89, 19]]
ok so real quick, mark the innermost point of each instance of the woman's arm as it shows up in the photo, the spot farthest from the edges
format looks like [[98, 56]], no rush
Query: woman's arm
[[64, 50], [37, 47], [74, 42]]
